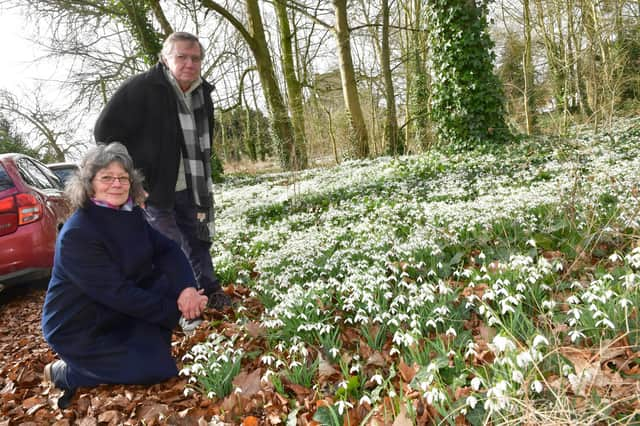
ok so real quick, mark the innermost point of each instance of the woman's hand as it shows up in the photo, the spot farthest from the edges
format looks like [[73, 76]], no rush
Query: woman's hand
[[192, 302]]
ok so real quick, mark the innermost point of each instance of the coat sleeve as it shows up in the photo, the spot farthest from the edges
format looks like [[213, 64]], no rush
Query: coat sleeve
[[88, 265], [169, 258], [117, 119]]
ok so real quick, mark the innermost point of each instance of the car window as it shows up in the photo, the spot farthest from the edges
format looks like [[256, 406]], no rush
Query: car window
[[35, 176], [64, 174], [5, 180], [56, 181]]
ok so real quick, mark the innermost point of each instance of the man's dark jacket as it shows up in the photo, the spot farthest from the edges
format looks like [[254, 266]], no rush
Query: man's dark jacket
[[143, 115]]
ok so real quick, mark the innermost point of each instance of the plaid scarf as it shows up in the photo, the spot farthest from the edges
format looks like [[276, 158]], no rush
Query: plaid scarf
[[197, 152]]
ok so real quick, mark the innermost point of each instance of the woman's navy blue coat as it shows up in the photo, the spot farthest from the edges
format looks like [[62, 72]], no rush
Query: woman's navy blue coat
[[112, 299]]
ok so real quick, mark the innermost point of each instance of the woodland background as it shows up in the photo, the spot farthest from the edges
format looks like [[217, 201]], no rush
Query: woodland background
[[301, 83], [471, 256]]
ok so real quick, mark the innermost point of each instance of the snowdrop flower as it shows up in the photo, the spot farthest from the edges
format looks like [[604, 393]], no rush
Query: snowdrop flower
[[377, 378], [614, 257], [493, 321], [472, 401], [334, 352], [471, 350], [365, 400], [342, 405], [294, 364], [267, 359], [624, 302], [575, 313], [607, 322], [531, 243], [489, 295], [265, 377], [397, 338], [573, 300], [536, 386], [523, 359], [517, 376], [548, 304], [434, 396], [629, 280], [540, 340], [476, 383], [451, 332], [502, 344], [497, 398], [506, 307], [575, 335]]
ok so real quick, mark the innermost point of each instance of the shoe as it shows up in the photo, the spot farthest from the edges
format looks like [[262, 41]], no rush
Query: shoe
[[219, 300], [65, 399], [47, 372], [50, 371], [189, 326]]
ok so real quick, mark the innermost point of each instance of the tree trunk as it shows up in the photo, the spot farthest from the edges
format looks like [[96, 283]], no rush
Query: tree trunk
[[527, 70], [391, 135], [158, 12], [359, 134], [281, 128], [294, 88]]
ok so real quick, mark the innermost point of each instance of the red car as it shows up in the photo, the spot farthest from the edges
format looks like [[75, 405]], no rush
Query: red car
[[33, 208]]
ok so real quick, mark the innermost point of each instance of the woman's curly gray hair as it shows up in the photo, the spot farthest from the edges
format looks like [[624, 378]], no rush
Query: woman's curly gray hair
[[79, 189]]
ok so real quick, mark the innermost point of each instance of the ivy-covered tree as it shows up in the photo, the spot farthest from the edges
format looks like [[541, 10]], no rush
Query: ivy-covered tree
[[467, 103]]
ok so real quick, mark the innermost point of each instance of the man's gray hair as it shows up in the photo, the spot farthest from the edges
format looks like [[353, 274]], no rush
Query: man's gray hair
[[79, 189], [169, 43]]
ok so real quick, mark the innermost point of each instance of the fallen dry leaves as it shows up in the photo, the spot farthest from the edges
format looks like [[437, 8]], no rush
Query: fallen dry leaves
[[612, 371], [25, 399]]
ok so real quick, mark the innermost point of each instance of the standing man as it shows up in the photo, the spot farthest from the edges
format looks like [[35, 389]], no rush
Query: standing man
[[164, 117]]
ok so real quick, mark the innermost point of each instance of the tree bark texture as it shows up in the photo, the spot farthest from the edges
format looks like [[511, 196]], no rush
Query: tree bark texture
[[359, 133]]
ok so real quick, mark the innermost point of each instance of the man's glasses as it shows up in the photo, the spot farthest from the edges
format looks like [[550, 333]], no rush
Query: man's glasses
[[109, 180], [183, 58]]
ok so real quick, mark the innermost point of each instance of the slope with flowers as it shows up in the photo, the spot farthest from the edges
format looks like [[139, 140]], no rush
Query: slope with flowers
[[472, 288], [460, 288]]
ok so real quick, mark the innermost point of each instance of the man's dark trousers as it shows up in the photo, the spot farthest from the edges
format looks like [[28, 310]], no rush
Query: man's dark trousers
[[180, 223]]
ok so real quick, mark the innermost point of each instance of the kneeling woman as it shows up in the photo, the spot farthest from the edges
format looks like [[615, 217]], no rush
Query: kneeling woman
[[118, 287]]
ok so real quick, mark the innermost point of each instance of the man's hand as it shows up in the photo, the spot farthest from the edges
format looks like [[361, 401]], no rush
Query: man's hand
[[192, 302]]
